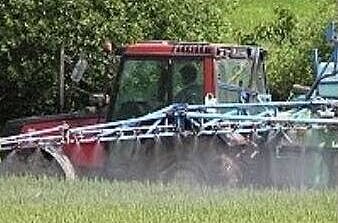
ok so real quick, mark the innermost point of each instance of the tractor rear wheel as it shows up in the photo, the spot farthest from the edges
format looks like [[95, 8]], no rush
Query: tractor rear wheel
[[183, 172], [42, 161], [201, 160]]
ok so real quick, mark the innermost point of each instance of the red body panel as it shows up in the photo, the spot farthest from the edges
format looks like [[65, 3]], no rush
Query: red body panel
[[72, 121], [209, 78], [150, 49], [88, 155]]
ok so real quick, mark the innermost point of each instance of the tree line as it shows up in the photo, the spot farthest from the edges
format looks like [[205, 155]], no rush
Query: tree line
[[33, 31]]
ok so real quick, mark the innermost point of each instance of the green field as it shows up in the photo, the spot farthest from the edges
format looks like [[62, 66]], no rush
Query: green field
[[50, 200], [251, 13]]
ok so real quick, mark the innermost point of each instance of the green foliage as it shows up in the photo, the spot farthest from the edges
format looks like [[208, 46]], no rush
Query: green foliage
[[197, 20], [33, 31], [51, 200], [290, 41]]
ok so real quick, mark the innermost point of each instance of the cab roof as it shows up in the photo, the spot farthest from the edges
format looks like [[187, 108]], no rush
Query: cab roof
[[202, 49]]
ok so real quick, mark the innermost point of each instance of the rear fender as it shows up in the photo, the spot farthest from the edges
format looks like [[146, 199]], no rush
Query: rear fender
[[64, 162], [87, 155]]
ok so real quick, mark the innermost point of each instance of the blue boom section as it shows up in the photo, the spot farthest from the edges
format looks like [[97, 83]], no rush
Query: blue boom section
[[190, 119]]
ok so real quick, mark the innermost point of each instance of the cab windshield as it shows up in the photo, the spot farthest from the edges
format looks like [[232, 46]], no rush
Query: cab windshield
[[148, 84], [237, 75]]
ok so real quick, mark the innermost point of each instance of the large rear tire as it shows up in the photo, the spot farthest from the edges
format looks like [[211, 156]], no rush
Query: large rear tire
[[202, 160], [47, 160], [183, 172]]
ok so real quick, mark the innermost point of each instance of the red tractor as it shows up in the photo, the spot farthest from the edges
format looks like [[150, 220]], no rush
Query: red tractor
[[194, 112], [152, 75]]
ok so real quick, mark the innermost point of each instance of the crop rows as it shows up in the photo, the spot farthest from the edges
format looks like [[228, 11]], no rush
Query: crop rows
[[49, 200]]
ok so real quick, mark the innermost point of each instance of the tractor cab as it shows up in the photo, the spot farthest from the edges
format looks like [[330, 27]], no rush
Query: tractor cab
[[155, 74]]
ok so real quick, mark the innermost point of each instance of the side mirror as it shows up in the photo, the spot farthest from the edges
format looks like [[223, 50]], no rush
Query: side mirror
[[79, 69]]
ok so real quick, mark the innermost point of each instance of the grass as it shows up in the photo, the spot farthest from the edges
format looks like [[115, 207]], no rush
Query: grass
[[49, 200], [251, 13]]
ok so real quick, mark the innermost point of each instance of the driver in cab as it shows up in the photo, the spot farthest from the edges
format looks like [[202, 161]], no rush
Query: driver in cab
[[192, 92]]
